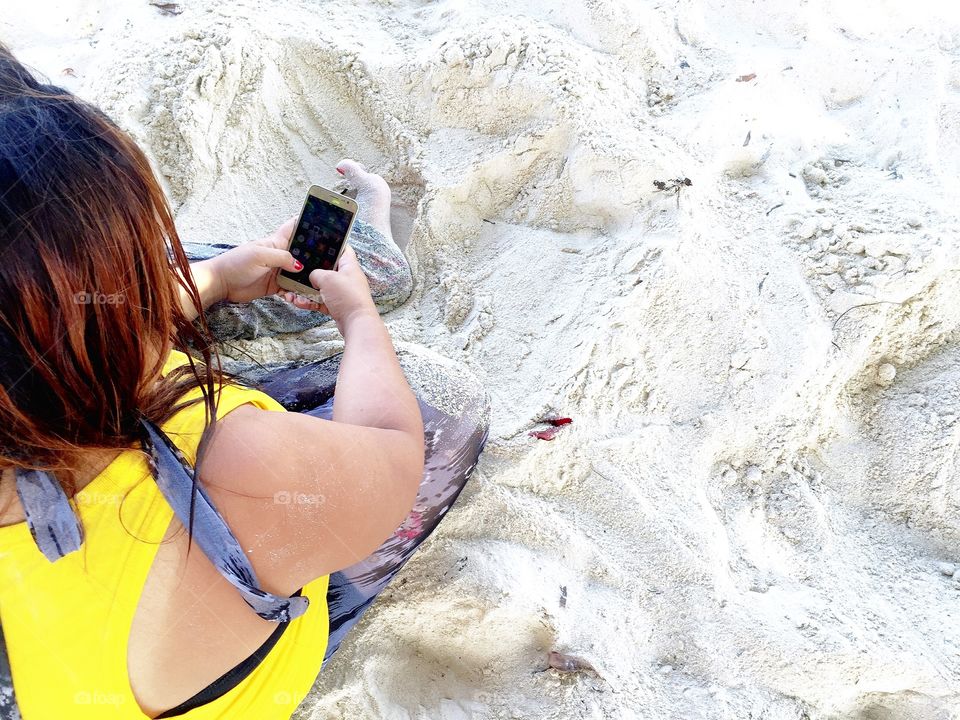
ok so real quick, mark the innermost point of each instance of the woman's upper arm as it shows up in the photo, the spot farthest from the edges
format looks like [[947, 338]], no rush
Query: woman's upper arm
[[306, 496]]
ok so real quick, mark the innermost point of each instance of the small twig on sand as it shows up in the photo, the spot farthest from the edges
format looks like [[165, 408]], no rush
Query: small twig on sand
[[778, 205], [862, 305]]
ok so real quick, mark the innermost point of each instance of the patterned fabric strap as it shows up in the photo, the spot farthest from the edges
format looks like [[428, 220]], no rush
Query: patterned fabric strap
[[174, 477], [57, 530], [50, 516]]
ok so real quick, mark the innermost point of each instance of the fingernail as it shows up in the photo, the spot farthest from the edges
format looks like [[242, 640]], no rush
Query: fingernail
[[297, 265], [340, 171]]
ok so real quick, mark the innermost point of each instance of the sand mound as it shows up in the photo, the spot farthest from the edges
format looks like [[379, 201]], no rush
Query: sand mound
[[756, 512]]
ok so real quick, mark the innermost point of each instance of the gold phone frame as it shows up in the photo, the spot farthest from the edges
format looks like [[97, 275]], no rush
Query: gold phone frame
[[334, 198]]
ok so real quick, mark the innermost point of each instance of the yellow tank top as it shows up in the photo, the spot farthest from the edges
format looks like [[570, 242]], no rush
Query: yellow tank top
[[67, 623]]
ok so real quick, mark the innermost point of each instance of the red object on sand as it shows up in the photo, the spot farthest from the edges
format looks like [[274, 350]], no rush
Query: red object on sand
[[550, 432]]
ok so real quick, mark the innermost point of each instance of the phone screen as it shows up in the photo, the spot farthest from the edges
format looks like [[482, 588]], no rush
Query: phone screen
[[318, 237]]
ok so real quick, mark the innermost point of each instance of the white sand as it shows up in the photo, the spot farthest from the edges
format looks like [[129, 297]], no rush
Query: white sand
[[749, 521]]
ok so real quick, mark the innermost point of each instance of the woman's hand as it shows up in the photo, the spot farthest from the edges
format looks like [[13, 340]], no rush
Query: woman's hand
[[342, 294], [249, 271]]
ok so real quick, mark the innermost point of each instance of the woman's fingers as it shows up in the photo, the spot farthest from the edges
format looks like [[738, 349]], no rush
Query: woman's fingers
[[304, 303], [280, 238], [276, 258], [346, 264], [348, 258], [286, 230], [317, 277]]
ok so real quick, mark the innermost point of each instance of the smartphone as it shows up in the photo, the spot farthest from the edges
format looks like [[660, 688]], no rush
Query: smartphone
[[319, 237]]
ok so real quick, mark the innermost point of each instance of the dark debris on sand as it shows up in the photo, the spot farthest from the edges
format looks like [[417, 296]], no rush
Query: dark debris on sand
[[167, 8]]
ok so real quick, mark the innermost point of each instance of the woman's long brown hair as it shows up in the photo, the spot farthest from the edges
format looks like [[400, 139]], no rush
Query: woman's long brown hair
[[90, 264]]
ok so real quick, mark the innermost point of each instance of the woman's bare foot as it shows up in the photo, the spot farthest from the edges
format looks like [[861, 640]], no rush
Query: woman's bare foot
[[373, 195]]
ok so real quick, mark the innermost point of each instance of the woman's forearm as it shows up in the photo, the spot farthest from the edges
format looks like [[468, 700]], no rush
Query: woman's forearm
[[209, 285], [371, 388]]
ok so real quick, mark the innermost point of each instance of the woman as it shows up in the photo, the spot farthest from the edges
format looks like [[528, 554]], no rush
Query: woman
[[175, 542]]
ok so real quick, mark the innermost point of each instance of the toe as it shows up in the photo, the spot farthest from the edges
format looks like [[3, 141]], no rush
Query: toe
[[351, 169], [371, 189]]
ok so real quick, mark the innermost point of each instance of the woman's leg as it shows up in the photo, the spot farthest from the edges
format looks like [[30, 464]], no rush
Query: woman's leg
[[381, 259], [455, 413]]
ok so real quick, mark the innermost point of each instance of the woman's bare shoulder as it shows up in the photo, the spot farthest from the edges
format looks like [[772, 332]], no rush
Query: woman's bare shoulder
[[307, 496]]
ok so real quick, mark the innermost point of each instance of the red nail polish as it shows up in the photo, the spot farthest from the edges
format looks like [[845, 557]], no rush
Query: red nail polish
[[297, 265]]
